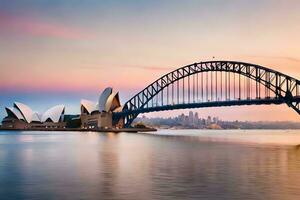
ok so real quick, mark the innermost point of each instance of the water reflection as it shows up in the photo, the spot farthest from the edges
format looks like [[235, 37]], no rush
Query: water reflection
[[165, 165]]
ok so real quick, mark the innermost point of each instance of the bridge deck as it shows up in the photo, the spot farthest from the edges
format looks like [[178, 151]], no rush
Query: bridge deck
[[205, 104]]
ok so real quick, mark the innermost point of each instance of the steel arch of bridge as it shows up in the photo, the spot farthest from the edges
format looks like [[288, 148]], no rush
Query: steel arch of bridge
[[234, 87]]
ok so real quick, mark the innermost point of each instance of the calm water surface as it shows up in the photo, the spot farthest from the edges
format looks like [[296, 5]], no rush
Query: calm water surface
[[186, 164]]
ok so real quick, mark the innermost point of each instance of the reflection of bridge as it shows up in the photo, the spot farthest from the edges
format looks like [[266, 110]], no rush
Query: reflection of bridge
[[214, 84]]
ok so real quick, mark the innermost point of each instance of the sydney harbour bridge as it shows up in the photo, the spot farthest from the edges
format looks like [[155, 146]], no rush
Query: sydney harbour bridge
[[213, 84]]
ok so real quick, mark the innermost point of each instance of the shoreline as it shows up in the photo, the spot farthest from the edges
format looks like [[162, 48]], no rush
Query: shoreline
[[128, 130]]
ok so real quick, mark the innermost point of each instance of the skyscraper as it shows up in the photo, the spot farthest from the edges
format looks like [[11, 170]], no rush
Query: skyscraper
[[191, 117], [208, 121], [196, 118]]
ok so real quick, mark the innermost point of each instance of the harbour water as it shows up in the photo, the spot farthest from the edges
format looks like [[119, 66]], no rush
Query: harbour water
[[168, 164]]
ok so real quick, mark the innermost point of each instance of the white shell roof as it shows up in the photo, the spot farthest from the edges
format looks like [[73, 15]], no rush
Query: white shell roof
[[15, 112], [110, 101], [25, 111], [53, 113], [36, 117], [88, 105], [103, 98]]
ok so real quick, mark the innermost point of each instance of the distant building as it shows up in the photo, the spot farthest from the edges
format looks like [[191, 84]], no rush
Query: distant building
[[181, 118], [196, 119], [215, 120], [21, 116], [186, 121], [191, 118], [203, 122], [208, 121], [99, 115]]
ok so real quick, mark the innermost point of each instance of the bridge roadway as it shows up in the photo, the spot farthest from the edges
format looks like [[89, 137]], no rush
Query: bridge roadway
[[237, 102]]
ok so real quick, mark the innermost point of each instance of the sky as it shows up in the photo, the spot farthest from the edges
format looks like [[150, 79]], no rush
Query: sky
[[58, 52]]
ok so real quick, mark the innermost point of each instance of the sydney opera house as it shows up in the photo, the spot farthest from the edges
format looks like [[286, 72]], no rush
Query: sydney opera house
[[21, 116], [93, 115], [99, 114]]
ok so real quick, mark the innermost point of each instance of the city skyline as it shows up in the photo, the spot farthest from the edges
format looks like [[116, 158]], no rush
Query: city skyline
[[194, 120], [56, 52]]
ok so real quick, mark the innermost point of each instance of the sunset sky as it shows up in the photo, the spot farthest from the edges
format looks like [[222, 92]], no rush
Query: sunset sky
[[55, 51]]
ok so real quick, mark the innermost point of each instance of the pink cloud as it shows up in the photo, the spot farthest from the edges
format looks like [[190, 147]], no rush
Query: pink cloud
[[39, 28]]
